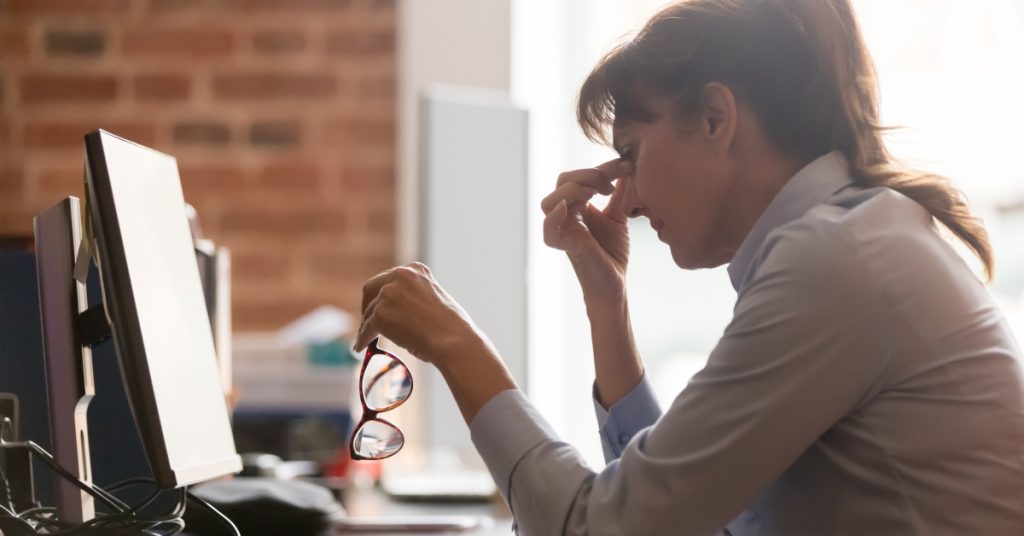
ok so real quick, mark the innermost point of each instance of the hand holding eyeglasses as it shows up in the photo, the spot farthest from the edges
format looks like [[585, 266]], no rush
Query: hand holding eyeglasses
[[408, 306]]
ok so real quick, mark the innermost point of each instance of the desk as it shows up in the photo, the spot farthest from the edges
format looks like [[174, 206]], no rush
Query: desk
[[374, 503]]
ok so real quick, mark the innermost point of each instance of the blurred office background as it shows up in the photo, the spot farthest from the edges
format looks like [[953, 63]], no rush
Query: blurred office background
[[281, 115], [296, 124]]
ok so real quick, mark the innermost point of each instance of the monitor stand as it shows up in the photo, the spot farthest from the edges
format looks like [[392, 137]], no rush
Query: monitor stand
[[69, 329]]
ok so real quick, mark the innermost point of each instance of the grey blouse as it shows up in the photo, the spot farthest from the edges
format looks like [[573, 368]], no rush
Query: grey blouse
[[867, 384]]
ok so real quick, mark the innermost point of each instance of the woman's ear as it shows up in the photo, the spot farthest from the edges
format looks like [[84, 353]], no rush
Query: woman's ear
[[718, 115]]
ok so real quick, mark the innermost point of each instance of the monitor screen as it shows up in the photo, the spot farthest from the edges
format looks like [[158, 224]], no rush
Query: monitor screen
[[155, 304]]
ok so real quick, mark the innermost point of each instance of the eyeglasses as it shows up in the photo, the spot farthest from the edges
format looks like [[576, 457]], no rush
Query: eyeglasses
[[384, 384]]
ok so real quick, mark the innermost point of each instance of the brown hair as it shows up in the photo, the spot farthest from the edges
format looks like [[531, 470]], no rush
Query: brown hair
[[803, 68]]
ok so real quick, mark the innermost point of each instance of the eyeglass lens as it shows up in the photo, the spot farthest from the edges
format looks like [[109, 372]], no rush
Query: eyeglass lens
[[386, 382], [376, 440]]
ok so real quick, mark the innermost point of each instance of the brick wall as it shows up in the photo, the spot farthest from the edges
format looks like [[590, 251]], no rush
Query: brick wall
[[281, 114]]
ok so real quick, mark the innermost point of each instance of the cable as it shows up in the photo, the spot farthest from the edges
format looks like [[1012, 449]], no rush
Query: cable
[[137, 481], [5, 497], [107, 499], [127, 521], [122, 521], [130, 482], [216, 513]]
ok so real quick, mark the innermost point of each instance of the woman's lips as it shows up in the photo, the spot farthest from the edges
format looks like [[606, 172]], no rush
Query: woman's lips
[[658, 225]]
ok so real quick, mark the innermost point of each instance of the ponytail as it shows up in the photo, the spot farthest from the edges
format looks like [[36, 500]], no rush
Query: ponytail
[[806, 72], [832, 25]]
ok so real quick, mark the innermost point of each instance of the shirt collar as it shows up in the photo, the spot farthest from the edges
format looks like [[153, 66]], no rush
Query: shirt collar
[[811, 186]]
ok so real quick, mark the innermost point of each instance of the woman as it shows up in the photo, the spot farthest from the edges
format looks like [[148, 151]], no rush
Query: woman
[[867, 384]]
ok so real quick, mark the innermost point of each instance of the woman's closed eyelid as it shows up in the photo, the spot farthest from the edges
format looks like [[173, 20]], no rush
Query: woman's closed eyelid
[[628, 154]]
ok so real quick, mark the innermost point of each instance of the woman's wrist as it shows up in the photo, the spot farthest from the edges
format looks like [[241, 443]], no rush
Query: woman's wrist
[[616, 361], [613, 308]]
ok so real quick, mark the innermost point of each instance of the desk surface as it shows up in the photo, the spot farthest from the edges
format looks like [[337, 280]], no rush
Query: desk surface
[[372, 503]]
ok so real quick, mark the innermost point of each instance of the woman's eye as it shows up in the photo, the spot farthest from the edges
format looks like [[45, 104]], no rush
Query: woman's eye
[[627, 155]]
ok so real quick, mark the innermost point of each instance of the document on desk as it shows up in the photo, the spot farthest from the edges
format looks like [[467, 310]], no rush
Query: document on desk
[[410, 524]]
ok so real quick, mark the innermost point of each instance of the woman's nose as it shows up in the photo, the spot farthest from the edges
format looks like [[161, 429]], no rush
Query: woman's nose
[[631, 204]]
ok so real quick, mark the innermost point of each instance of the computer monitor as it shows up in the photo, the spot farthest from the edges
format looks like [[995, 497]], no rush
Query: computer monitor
[[156, 308]]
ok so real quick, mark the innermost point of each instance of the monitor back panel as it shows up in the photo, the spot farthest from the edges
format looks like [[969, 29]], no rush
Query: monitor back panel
[[154, 300]]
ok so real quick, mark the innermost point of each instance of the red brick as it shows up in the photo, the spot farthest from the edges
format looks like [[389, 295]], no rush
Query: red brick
[[284, 220], [13, 43], [379, 87], [162, 87], [70, 134], [275, 133], [17, 221], [290, 176], [381, 219], [279, 41], [269, 313], [177, 42], [201, 180], [361, 131], [43, 88], [307, 211], [260, 265], [58, 183], [359, 179], [65, 6], [274, 85], [360, 43], [12, 182], [171, 5], [82, 43], [290, 5], [347, 264], [202, 133]]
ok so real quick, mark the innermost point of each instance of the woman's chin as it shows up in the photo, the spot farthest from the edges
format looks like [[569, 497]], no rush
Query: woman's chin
[[683, 258], [690, 260]]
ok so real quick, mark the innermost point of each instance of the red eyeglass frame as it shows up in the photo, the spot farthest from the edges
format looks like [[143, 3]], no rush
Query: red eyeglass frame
[[373, 415]]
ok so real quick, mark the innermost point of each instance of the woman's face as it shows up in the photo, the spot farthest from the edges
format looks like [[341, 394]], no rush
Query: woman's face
[[682, 181]]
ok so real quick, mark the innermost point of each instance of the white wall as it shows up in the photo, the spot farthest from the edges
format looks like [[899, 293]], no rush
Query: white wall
[[456, 42], [461, 42]]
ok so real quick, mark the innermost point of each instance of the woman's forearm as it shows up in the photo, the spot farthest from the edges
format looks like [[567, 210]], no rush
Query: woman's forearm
[[474, 373], [616, 360]]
